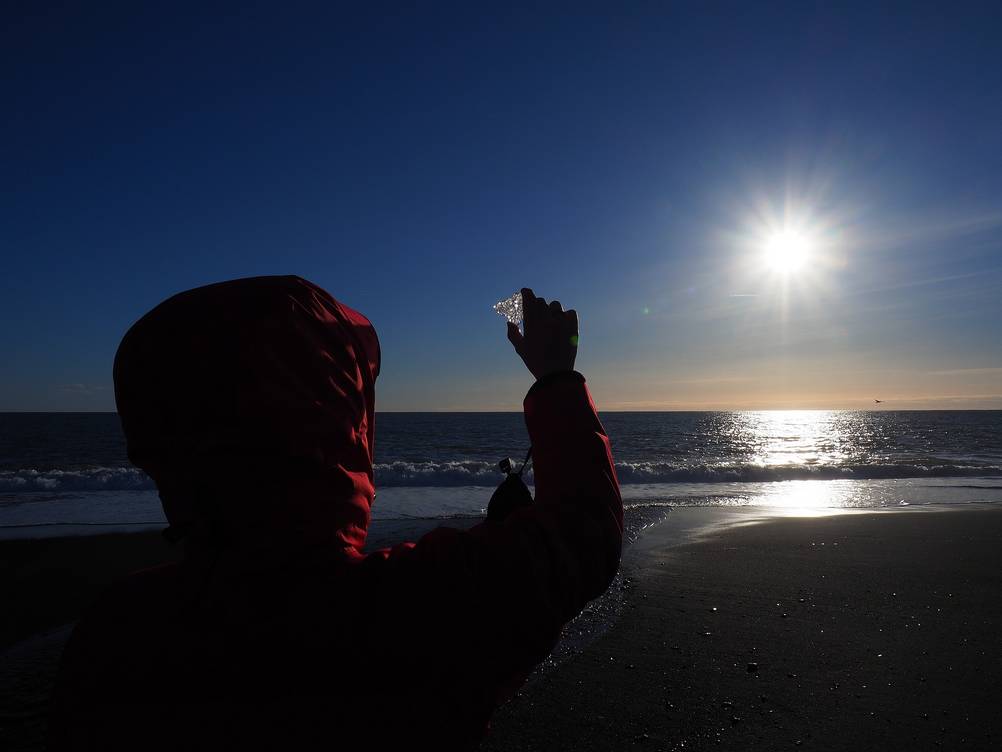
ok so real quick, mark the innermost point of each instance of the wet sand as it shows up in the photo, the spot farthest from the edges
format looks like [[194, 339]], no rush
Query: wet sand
[[855, 632], [866, 631], [49, 581]]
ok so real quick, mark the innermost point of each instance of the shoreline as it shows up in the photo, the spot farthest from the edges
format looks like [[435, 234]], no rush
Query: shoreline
[[645, 641], [73, 568], [37, 514]]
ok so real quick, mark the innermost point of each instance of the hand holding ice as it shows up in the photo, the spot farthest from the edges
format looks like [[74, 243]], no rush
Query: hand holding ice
[[510, 308]]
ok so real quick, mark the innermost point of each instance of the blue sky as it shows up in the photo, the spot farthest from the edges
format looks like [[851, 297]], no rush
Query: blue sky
[[632, 160]]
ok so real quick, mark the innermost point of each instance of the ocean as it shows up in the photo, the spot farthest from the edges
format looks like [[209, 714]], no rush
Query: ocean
[[66, 473]]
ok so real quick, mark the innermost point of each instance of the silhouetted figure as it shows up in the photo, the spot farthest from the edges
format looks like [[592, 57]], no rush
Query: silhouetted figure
[[250, 404]]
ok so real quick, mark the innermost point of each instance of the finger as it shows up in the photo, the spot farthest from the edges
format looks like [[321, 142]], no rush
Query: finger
[[571, 324], [571, 320], [531, 306], [515, 336], [556, 307]]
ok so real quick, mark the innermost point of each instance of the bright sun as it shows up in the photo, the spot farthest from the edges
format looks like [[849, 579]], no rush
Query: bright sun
[[787, 251]]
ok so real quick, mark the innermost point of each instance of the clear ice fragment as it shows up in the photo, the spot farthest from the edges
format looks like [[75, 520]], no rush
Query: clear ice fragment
[[510, 308]]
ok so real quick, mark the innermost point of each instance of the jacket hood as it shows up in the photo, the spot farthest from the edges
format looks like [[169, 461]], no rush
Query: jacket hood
[[250, 404]]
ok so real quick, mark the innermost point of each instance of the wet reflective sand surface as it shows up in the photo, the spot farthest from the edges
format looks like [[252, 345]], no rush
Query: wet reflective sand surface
[[847, 632]]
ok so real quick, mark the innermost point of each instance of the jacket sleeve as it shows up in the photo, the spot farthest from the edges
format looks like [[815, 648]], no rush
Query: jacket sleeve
[[502, 591]]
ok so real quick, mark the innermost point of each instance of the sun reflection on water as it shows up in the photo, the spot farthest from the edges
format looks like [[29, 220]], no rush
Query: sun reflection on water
[[805, 461], [801, 438], [793, 437], [809, 498]]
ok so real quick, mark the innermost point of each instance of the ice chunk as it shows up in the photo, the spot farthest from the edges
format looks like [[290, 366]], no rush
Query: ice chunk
[[510, 308]]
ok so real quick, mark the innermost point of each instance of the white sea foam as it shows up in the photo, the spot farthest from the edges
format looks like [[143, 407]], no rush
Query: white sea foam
[[461, 473], [58, 471], [85, 479]]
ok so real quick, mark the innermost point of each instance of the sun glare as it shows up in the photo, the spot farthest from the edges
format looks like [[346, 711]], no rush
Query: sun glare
[[787, 251]]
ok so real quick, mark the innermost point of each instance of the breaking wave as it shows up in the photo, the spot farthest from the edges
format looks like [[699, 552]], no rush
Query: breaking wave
[[86, 479], [473, 473], [480, 473], [663, 472]]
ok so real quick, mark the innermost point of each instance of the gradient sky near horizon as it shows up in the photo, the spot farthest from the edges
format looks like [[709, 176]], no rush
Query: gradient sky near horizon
[[420, 163]]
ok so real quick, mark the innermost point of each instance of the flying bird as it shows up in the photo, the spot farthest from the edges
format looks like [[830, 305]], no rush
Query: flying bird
[[878, 401]]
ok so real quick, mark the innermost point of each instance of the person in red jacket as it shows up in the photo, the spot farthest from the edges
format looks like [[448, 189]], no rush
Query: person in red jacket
[[250, 404]]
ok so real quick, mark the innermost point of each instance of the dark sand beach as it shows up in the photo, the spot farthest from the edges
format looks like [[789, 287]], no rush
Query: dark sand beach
[[859, 631], [854, 632], [46, 582]]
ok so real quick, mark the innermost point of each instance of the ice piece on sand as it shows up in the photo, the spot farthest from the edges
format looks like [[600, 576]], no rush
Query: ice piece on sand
[[510, 308]]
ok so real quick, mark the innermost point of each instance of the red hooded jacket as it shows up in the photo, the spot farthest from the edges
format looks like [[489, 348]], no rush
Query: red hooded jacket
[[250, 404]]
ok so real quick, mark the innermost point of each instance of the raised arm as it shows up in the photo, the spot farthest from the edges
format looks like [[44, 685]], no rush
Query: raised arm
[[496, 596], [572, 459]]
